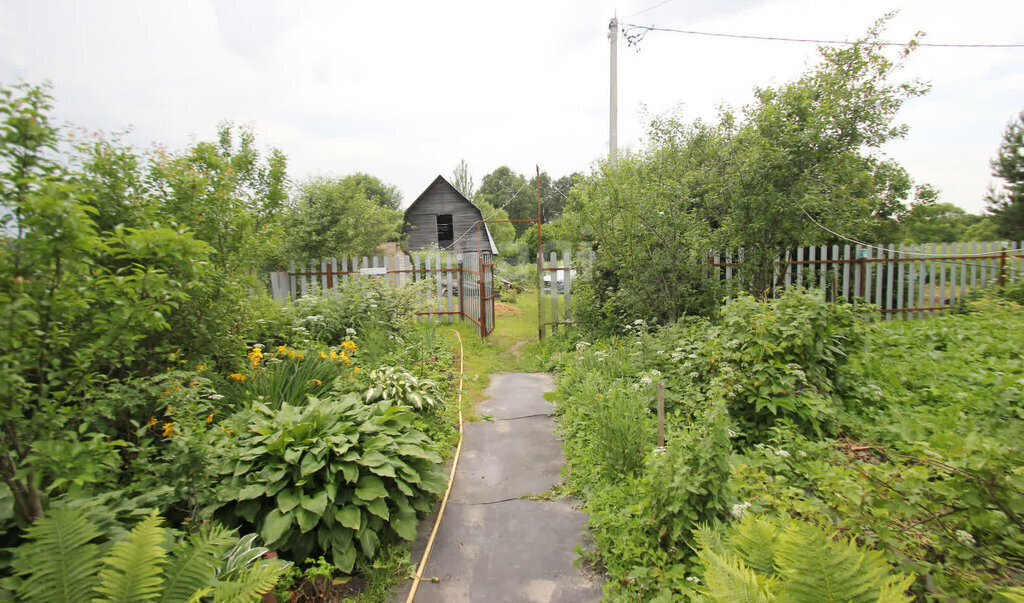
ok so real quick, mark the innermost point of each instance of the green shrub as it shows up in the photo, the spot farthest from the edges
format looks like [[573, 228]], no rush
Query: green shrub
[[319, 478]]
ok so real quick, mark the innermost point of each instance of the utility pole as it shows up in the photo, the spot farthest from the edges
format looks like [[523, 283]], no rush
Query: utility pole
[[613, 101]]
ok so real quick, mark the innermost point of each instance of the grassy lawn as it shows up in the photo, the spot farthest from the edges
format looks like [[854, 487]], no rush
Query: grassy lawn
[[512, 347]]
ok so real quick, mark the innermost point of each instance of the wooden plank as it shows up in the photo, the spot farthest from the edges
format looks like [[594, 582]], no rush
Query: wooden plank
[[822, 268], [786, 279], [866, 273], [438, 285], [974, 266], [943, 269], [922, 285], [554, 292], [846, 272], [302, 284], [800, 267], [932, 278], [567, 262], [293, 283], [416, 277], [879, 268], [901, 274], [891, 283], [835, 273], [323, 275], [728, 269], [451, 289]]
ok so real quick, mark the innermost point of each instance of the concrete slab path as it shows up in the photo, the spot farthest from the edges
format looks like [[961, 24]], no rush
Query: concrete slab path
[[494, 544]]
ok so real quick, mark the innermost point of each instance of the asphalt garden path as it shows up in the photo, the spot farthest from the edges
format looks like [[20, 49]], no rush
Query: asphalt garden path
[[493, 544]]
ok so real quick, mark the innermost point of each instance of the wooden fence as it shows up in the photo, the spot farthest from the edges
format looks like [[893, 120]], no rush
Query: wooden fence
[[556, 291], [457, 287], [905, 280]]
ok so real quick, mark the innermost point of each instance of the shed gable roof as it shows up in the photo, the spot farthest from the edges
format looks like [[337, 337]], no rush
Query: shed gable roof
[[441, 181]]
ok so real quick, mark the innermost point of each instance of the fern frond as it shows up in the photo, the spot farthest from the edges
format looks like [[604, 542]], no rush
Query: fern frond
[[250, 583], [194, 563], [59, 560], [728, 579], [132, 569], [816, 569], [754, 541]]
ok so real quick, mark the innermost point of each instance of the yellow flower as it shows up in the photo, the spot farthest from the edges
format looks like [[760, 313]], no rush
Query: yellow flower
[[317, 382], [255, 356], [355, 370], [600, 396], [237, 376], [209, 419], [201, 367], [283, 349], [151, 422], [228, 431], [168, 430], [349, 345], [322, 355]]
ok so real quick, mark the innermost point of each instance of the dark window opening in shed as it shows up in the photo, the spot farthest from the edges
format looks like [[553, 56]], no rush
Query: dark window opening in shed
[[445, 231]]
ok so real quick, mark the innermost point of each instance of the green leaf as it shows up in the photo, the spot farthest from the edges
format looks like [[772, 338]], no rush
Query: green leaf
[[307, 519], [132, 569], [349, 516], [248, 509], [58, 559], [378, 507], [433, 481], [370, 487], [369, 542], [316, 503], [351, 472], [404, 524], [288, 499], [344, 558], [249, 492], [275, 525], [310, 464]]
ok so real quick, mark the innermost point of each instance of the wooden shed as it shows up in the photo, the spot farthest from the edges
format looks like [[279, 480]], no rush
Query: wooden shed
[[441, 216]]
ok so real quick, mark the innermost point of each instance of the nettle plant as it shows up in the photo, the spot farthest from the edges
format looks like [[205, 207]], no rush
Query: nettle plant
[[333, 477]]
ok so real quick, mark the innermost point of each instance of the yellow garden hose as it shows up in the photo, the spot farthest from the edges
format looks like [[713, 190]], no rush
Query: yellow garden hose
[[444, 500]]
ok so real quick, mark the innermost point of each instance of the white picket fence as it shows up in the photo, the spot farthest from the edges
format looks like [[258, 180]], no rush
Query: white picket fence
[[455, 290], [910, 280]]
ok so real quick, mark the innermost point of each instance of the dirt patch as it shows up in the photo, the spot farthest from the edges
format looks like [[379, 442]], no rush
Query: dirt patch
[[501, 309], [514, 350]]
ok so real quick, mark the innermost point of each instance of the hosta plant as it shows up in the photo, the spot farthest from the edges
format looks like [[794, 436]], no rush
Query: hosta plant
[[333, 477], [400, 388]]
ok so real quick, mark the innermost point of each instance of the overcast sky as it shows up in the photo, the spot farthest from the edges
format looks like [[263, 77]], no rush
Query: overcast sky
[[403, 90]]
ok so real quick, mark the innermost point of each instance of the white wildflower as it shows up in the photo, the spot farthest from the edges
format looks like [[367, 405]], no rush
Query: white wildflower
[[738, 509], [694, 375], [655, 372], [693, 579], [660, 450], [733, 434], [645, 380], [257, 346], [215, 397], [350, 331], [782, 453], [965, 538]]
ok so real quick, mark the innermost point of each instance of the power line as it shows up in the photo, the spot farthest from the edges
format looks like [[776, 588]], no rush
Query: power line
[[632, 26]]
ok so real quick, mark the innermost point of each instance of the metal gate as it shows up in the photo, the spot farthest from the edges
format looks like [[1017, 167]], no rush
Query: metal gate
[[476, 290]]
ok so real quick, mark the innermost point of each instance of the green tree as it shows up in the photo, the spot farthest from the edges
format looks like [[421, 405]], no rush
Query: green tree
[[937, 223], [1007, 205], [506, 189], [79, 307], [803, 149], [462, 180], [333, 217], [376, 190]]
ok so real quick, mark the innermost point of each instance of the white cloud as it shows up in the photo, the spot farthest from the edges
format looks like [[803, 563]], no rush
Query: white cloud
[[403, 90]]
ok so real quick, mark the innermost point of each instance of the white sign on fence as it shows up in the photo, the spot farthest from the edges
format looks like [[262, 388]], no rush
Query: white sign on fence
[[373, 271]]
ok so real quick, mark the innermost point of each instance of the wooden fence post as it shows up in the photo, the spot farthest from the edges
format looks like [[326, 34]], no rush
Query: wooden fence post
[[661, 413]]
